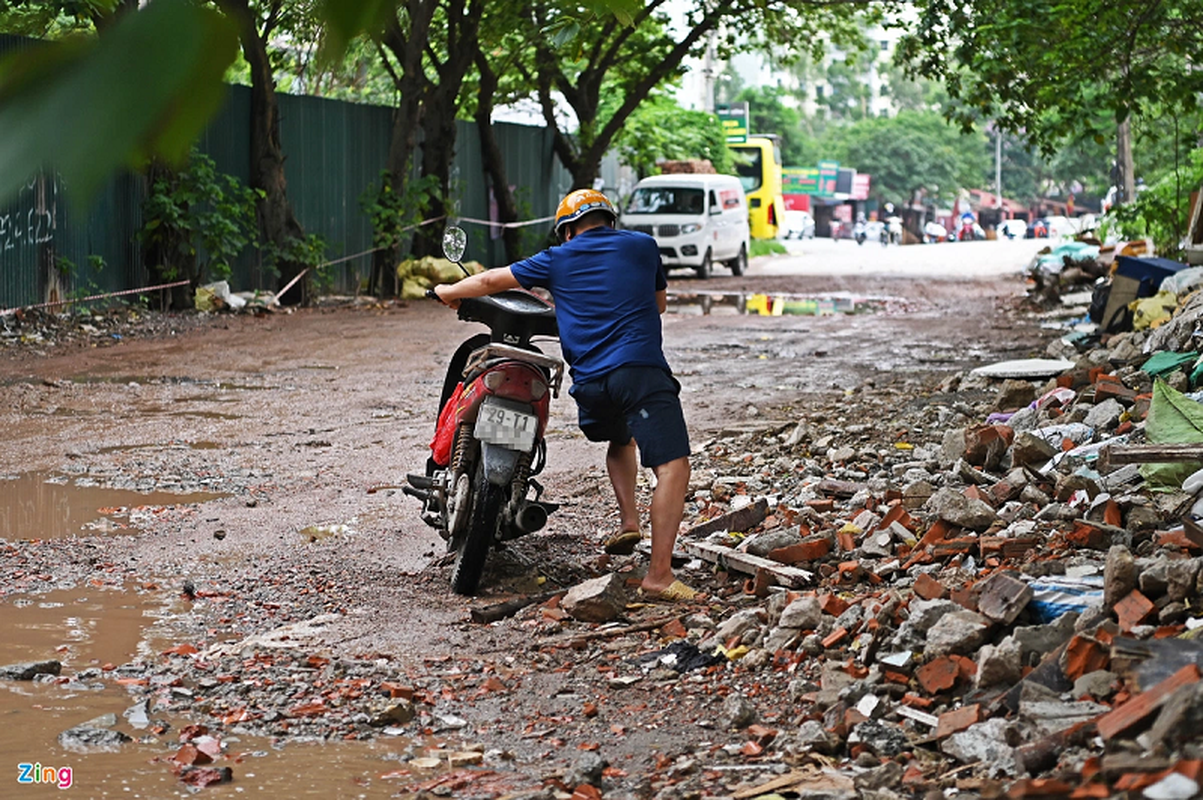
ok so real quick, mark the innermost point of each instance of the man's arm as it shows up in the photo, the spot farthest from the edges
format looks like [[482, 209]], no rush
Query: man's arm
[[491, 281], [662, 300]]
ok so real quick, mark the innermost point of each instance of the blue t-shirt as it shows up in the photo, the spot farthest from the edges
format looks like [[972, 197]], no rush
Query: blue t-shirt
[[604, 283]]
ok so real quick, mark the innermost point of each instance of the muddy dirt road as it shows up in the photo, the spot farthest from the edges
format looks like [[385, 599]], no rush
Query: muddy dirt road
[[168, 496]]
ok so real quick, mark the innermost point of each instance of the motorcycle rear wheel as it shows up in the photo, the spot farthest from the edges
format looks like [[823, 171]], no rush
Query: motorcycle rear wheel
[[473, 548]]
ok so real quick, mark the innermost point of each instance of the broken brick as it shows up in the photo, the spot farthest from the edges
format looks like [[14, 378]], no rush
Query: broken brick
[[1038, 787], [938, 675], [966, 596], [958, 720], [833, 604], [1143, 705], [1086, 535], [928, 587], [1133, 610], [836, 636], [1084, 655], [812, 550]]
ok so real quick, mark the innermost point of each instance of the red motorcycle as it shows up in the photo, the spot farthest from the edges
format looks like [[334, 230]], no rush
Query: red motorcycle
[[488, 445]]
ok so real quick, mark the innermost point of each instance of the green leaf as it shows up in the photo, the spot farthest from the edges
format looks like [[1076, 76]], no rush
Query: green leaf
[[86, 108], [347, 19], [623, 10], [566, 33]]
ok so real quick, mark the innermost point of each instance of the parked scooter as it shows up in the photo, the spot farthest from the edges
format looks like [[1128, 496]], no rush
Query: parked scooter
[[488, 444]]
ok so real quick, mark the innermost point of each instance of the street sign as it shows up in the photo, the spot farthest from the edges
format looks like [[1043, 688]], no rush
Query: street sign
[[800, 180], [734, 117]]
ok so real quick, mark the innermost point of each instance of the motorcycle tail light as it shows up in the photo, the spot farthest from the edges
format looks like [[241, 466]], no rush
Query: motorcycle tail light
[[538, 388], [493, 380]]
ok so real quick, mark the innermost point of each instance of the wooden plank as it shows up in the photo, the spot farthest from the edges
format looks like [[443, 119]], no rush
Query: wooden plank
[[747, 563], [1149, 454]]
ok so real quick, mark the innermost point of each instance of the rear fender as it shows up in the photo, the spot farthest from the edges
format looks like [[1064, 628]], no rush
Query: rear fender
[[499, 463]]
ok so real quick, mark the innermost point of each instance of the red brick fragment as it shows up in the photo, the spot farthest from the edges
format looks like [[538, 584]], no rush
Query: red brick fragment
[[938, 675], [836, 636], [822, 505], [802, 551], [958, 720], [928, 587], [1133, 610], [1038, 787], [1084, 655], [833, 604], [966, 596], [1113, 388], [897, 513], [1086, 535], [1143, 705]]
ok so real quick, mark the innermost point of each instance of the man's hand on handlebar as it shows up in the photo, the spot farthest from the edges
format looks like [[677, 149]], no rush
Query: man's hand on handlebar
[[437, 294]]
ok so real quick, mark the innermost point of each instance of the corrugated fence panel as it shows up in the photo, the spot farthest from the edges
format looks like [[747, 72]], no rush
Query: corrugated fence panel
[[51, 252], [334, 151]]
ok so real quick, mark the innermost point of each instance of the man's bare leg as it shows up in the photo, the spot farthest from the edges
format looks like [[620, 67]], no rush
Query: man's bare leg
[[623, 469], [668, 505]]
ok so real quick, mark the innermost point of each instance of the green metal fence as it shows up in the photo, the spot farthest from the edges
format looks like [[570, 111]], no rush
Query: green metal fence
[[334, 151]]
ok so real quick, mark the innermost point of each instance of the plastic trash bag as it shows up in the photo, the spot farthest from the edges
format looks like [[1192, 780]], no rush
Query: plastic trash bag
[[1173, 419]]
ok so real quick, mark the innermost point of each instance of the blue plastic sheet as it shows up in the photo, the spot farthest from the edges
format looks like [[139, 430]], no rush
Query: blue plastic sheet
[[1055, 597]]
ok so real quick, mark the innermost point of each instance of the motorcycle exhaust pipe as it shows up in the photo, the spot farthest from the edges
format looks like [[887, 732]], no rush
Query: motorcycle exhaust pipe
[[531, 518]]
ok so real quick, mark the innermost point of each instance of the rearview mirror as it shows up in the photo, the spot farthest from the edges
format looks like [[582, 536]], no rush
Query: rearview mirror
[[455, 242]]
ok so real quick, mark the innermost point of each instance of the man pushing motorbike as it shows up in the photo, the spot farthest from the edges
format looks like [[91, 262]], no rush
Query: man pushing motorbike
[[610, 289]]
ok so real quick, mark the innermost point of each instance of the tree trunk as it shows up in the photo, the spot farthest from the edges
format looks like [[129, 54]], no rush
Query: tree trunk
[[406, 46], [439, 117], [490, 156], [277, 222]]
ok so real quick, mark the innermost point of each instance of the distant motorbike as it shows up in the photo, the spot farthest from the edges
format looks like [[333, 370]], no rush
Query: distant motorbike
[[892, 232], [488, 445], [859, 233]]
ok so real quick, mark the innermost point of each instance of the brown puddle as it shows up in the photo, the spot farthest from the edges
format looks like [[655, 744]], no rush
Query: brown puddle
[[88, 628], [39, 506]]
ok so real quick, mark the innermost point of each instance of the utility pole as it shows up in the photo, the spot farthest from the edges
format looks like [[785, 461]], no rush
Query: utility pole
[[998, 165], [1126, 183]]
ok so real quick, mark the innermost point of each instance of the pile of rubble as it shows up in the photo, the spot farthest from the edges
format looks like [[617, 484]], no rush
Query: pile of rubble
[[998, 605]]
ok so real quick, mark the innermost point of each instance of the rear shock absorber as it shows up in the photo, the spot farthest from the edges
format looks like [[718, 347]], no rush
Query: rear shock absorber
[[463, 441]]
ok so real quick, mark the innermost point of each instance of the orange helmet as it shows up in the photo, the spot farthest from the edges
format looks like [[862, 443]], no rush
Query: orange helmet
[[579, 203]]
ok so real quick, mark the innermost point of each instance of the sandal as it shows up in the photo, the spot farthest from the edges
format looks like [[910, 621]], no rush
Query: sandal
[[623, 543], [675, 592]]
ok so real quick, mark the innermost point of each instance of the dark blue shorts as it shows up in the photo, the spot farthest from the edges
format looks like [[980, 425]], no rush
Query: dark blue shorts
[[639, 402]]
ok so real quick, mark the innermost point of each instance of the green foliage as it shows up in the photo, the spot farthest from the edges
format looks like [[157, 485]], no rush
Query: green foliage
[[198, 216], [914, 151], [147, 87], [661, 130], [393, 214], [1160, 212], [1062, 69], [309, 251], [769, 113], [68, 270], [766, 247]]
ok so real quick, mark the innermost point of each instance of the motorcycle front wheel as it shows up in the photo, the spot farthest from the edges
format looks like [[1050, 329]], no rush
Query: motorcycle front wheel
[[473, 548]]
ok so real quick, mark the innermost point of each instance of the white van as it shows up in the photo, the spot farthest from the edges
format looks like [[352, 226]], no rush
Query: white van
[[696, 219]]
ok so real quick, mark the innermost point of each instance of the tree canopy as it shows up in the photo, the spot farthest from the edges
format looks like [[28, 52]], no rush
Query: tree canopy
[[1060, 70]]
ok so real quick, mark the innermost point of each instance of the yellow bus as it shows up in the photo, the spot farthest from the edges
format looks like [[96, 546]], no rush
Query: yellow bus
[[758, 164]]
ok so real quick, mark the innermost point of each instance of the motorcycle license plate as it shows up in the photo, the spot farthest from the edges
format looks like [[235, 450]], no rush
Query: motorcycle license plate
[[506, 427]]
